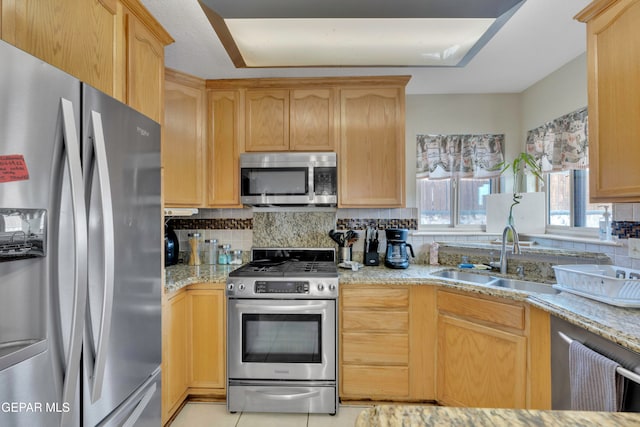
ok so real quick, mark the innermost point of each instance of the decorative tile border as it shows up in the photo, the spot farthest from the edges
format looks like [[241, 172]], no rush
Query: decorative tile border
[[380, 224], [247, 223], [211, 224], [625, 229]]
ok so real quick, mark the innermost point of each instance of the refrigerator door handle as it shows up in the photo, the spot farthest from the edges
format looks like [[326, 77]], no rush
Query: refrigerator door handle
[[96, 371], [140, 407], [72, 150]]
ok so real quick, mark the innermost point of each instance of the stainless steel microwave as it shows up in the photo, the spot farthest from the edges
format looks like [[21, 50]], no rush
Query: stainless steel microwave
[[280, 179]]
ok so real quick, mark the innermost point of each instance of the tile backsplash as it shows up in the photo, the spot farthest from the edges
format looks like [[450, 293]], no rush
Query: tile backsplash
[[246, 228]]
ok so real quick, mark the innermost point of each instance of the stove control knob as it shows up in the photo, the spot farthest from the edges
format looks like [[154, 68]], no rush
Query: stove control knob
[[332, 287], [241, 287], [230, 286], [321, 287]]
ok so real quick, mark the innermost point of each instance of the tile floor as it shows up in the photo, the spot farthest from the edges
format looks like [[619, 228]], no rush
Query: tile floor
[[199, 414]]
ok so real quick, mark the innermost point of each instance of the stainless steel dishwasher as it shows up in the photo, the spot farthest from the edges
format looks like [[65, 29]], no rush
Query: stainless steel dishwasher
[[560, 391]]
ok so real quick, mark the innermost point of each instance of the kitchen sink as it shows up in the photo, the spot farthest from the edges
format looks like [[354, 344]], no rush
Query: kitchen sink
[[502, 282], [463, 276], [523, 285]]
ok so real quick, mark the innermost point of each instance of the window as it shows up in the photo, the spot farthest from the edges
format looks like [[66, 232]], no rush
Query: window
[[453, 201], [568, 200]]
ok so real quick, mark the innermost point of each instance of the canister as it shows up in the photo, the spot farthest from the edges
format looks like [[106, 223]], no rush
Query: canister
[[194, 248], [210, 251], [224, 254], [236, 257]]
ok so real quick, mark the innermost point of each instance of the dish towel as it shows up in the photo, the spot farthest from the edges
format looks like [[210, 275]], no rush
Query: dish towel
[[595, 385]]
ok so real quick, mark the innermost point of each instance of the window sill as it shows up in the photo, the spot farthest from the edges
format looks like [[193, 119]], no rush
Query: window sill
[[579, 239], [558, 237]]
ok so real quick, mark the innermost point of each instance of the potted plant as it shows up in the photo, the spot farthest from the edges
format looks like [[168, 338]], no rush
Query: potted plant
[[522, 163]]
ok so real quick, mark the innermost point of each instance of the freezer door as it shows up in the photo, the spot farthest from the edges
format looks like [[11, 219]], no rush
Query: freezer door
[[121, 164], [41, 299], [141, 409]]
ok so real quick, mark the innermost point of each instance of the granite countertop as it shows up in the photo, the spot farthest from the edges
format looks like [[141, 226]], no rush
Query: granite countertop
[[620, 325], [413, 415], [180, 275]]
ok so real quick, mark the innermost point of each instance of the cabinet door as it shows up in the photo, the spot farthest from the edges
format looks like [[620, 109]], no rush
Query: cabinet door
[[207, 338], [76, 36], [223, 159], [145, 69], [183, 153], [479, 366], [312, 120], [613, 55], [374, 342], [267, 120], [372, 148], [175, 360]]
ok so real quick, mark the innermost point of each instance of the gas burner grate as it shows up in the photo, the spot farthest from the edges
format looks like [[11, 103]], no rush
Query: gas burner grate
[[311, 267]]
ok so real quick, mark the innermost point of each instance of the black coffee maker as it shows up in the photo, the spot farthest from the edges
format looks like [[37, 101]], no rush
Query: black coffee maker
[[397, 256]]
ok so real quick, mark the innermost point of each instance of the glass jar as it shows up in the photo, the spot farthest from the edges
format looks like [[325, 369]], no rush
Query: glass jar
[[194, 248], [236, 257], [224, 254], [210, 255]]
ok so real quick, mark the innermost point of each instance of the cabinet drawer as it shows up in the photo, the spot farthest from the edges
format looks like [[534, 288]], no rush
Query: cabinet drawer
[[377, 297], [375, 381], [368, 348], [359, 320], [494, 312]]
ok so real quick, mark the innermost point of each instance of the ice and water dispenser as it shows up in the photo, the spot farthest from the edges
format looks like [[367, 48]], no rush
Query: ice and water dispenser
[[23, 290]]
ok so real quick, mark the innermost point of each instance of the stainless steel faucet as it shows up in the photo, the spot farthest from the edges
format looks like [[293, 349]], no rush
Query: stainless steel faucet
[[503, 256]]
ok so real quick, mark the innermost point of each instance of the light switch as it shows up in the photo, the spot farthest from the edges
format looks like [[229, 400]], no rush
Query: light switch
[[634, 248]]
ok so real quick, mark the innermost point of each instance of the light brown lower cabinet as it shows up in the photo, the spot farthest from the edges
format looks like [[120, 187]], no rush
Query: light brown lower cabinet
[[422, 343], [193, 346], [492, 353], [207, 344], [383, 353], [175, 358]]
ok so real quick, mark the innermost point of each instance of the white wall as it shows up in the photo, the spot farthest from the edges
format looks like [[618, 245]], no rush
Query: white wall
[[561, 92]]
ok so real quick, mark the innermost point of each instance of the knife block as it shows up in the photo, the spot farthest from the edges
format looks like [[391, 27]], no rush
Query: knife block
[[371, 258]]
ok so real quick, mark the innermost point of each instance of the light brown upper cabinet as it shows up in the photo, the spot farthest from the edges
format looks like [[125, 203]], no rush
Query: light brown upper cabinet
[[184, 149], [613, 61], [311, 120], [76, 36], [290, 120], [267, 119], [224, 126], [116, 46], [372, 147], [144, 64]]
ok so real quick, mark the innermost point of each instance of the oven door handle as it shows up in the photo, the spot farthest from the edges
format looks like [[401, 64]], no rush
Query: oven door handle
[[270, 308], [281, 394]]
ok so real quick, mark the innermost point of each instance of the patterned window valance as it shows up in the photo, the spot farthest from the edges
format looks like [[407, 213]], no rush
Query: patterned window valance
[[561, 144], [444, 156]]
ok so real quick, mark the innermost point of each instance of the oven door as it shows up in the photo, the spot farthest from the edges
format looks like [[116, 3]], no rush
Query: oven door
[[281, 339]]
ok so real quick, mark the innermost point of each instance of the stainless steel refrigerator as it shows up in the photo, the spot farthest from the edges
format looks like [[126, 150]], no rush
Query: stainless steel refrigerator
[[80, 252]]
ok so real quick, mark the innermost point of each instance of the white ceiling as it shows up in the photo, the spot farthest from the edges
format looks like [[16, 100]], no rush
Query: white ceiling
[[539, 38]]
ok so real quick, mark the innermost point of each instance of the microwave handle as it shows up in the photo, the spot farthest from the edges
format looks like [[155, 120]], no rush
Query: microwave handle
[[312, 194]]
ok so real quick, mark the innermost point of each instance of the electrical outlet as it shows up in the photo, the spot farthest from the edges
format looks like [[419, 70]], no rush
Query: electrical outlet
[[634, 248]]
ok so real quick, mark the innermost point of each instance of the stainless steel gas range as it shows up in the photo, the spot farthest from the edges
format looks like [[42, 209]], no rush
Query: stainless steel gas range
[[282, 320]]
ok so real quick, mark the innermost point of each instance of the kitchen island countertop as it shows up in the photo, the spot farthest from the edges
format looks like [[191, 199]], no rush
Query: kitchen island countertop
[[427, 416]]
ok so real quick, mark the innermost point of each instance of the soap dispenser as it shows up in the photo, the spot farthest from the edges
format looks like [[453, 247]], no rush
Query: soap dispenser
[[604, 231]]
